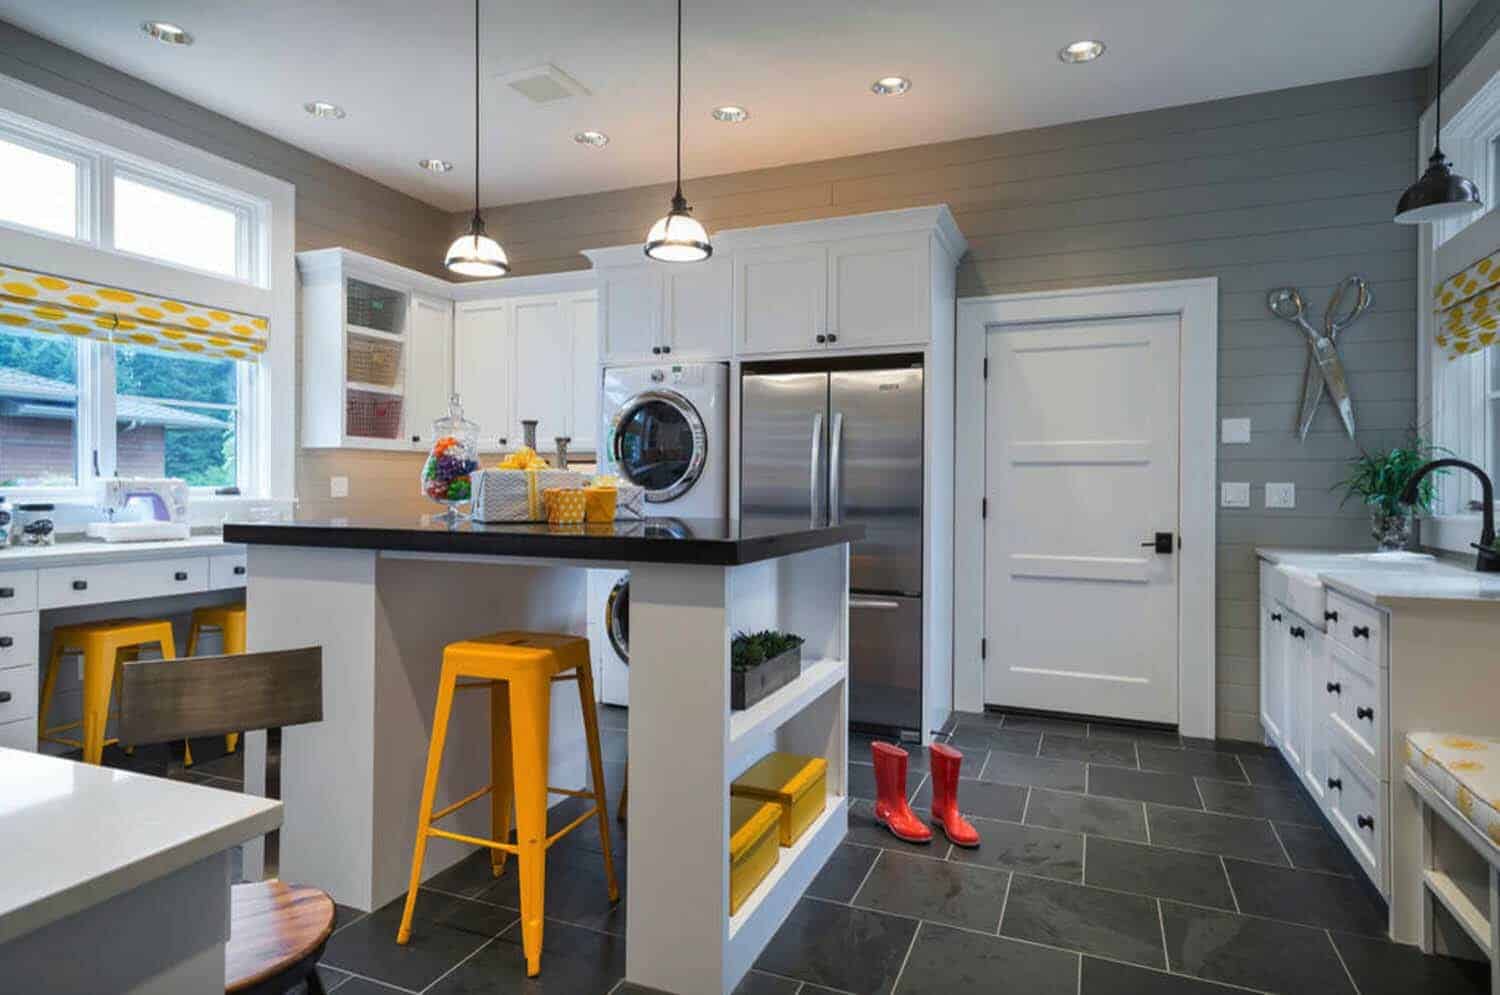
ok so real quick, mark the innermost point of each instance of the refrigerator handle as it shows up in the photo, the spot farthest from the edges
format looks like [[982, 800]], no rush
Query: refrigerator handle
[[836, 471], [816, 460]]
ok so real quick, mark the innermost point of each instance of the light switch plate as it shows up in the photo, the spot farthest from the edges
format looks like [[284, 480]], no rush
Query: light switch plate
[[1235, 431], [338, 487], [1281, 495], [1234, 495]]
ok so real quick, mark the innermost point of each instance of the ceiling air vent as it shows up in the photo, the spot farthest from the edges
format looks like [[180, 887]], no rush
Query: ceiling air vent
[[544, 84]]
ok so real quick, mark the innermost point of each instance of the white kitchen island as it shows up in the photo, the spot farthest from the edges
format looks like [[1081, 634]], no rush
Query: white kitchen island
[[383, 597]]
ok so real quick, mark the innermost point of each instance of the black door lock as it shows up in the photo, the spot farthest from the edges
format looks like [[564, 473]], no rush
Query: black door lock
[[1163, 543]]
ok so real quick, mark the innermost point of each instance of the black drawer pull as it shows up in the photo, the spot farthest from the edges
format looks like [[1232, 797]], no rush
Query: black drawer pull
[[4, 697], [7, 592], [6, 642], [1330, 616], [80, 585], [1276, 616], [239, 571], [1365, 713], [1365, 821], [1299, 632], [180, 575], [1335, 784], [1361, 632], [1334, 687]]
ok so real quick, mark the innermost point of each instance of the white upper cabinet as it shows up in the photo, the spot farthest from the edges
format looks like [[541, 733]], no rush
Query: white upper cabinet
[[879, 291], [429, 366], [698, 322], [584, 426], [482, 370], [631, 325], [780, 299], [543, 368]]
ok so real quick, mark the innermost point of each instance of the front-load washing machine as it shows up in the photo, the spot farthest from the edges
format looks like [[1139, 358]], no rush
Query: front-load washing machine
[[666, 429], [609, 633]]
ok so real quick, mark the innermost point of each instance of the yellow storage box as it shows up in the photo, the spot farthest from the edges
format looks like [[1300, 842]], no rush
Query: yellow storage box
[[752, 846], [798, 785]]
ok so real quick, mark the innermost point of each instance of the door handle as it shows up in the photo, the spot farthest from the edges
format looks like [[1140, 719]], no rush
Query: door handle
[[836, 471], [875, 605], [1163, 543], [816, 460]]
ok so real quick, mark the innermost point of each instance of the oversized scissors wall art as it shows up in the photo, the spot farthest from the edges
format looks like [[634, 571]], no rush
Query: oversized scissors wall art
[[1324, 370]]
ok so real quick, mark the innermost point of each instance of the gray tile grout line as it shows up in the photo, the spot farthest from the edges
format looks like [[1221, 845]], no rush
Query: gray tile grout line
[[1243, 769], [1199, 789], [1026, 805], [1233, 897], [1005, 901], [366, 977], [1284, 851], [1146, 820], [1161, 922], [1079, 989], [430, 985], [896, 983], [1083, 861], [1040, 742], [865, 880], [1347, 973]]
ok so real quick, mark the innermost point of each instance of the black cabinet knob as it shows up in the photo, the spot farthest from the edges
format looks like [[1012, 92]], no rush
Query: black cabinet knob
[[7, 592], [1330, 616], [180, 575], [1276, 616], [416, 438], [656, 350], [822, 338], [1334, 687], [6, 642], [1365, 821], [239, 571], [504, 441], [80, 585], [666, 349], [1335, 784], [1361, 632], [4, 697], [1365, 713], [832, 337], [1299, 632]]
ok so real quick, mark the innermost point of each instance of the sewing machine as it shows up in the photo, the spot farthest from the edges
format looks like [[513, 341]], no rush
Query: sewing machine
[[142, 509]]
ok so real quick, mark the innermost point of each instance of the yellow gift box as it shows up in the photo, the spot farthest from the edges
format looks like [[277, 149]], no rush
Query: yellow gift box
[[565, 505], [599, 504], [752, 847], [797, 785]]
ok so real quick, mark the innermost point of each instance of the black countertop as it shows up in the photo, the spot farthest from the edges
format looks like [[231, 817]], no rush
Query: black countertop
[[706, 541]]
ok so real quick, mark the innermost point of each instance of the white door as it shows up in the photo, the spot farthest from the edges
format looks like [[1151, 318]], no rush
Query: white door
[[878, 291], [632, 314], [1273, 640], [543, 370], [781, 299], [583, 425], [699, 302], [481, 370], [429, 367], [1081, 470]]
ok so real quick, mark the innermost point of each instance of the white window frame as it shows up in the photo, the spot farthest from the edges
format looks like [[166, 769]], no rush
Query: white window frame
[[265, 282]]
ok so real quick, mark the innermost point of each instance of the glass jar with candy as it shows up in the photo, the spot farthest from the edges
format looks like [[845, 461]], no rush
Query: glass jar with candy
[[447, 473]]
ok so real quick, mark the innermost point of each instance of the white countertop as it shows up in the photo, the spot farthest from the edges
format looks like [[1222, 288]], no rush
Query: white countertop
[[73, 835], [1383, 583], [76, 552]]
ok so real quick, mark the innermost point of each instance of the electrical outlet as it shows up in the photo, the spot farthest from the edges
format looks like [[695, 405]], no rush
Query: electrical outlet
[[338, 487], [1235, 431], [1234, 495], [1281, 495]]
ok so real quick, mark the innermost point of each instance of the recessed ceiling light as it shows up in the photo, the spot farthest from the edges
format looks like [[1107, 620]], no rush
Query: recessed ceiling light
[[890, 86], [731, 114], [435, 165], [1081, 51], [166, 32], [322, 108], [593, 139]]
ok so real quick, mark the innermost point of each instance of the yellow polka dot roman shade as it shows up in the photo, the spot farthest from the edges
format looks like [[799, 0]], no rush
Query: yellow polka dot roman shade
[[1468, 308], [51, 305]]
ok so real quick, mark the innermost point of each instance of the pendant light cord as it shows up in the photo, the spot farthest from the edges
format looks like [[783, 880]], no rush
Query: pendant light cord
[[678, 195], [1437, 135], [478, 218]]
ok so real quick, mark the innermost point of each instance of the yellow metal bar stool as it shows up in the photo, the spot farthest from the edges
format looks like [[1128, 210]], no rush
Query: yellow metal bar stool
[[104, 645], [230, 621], [519, 669]]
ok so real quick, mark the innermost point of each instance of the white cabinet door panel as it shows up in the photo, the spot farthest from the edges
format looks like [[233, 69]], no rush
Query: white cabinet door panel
[[878, 290], [699, 303], [481, 370], [1273, 638], [781, 298], [584, 422], [631, 323], [429, 367], [543, 370]]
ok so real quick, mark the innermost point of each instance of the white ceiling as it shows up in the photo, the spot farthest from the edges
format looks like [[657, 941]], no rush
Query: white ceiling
[[403, 71]]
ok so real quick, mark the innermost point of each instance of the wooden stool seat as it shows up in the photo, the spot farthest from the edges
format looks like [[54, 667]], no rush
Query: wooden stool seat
[[230, 621], [104, 645], [276, 935], [518, 669]]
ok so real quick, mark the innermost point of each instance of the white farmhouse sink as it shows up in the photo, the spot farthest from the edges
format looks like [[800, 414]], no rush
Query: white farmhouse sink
[[1399, 558]]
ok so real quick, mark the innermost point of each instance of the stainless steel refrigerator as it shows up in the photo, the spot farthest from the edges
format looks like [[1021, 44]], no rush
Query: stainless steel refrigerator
[[842, 442]]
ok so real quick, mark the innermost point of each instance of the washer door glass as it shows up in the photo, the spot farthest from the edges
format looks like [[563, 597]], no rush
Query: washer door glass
[[617, 618], [659, 444]]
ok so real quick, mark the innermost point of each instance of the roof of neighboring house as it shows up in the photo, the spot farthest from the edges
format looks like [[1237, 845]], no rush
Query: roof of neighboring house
[[17, 388]]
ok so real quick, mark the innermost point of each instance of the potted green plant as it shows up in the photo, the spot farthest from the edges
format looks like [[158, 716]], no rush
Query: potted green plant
[[761, 662], [1379, 481]]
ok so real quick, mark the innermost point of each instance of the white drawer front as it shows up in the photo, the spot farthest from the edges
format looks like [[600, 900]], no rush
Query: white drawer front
[[1357, 809], [18, 641], [1359, 708], [1359, 627], [226, 570], [17, 591], [18, 690], [19, 735], [62, 587]]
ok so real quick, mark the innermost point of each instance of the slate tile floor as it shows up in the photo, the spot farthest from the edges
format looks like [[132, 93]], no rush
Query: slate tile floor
[[1115, 861]]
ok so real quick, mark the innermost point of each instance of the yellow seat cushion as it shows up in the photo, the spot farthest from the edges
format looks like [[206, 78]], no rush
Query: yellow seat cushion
[[1463, 769], [515, 652]]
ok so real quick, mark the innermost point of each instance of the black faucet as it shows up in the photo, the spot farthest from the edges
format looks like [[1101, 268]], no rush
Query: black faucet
[[1488, 560]]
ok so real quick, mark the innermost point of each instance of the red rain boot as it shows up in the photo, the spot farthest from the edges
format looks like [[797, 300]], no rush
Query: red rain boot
[[891, 810], [945, 764]]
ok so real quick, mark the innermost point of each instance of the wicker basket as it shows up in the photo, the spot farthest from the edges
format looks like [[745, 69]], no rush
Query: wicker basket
[[372, 416], [373, 361], [374, 307]]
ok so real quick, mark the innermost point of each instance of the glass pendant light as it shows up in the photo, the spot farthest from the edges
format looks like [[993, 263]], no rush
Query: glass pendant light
[[475, 253], [1440, 193], [678, 237]]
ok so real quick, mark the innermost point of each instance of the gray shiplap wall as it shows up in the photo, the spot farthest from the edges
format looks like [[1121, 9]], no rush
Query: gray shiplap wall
[[1465, 40], [1290, 187]]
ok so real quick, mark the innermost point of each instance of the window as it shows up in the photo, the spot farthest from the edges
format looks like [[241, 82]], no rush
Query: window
[[176, 417], [41, 189], [152, 219], [38, 412]]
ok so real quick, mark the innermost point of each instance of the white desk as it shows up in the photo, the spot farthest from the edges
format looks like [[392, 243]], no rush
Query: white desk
[[115, 882]]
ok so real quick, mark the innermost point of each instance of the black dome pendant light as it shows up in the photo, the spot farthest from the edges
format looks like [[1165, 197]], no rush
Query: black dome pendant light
[[678, 237], [1440, 193], [475, 253]]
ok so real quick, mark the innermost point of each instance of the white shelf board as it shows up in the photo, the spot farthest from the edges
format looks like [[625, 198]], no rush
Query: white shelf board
[[771, 712], [752, 927], [374, 388], [375, 333], [1456, 900]]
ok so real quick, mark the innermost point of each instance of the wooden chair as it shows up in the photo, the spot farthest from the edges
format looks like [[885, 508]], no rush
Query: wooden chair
[[277, 931]]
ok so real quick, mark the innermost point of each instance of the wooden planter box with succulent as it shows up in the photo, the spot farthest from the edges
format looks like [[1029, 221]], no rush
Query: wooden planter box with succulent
[[760, 663], [1380, 480]]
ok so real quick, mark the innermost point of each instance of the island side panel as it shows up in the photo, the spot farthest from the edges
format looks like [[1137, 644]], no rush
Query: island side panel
[[678, 899]]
